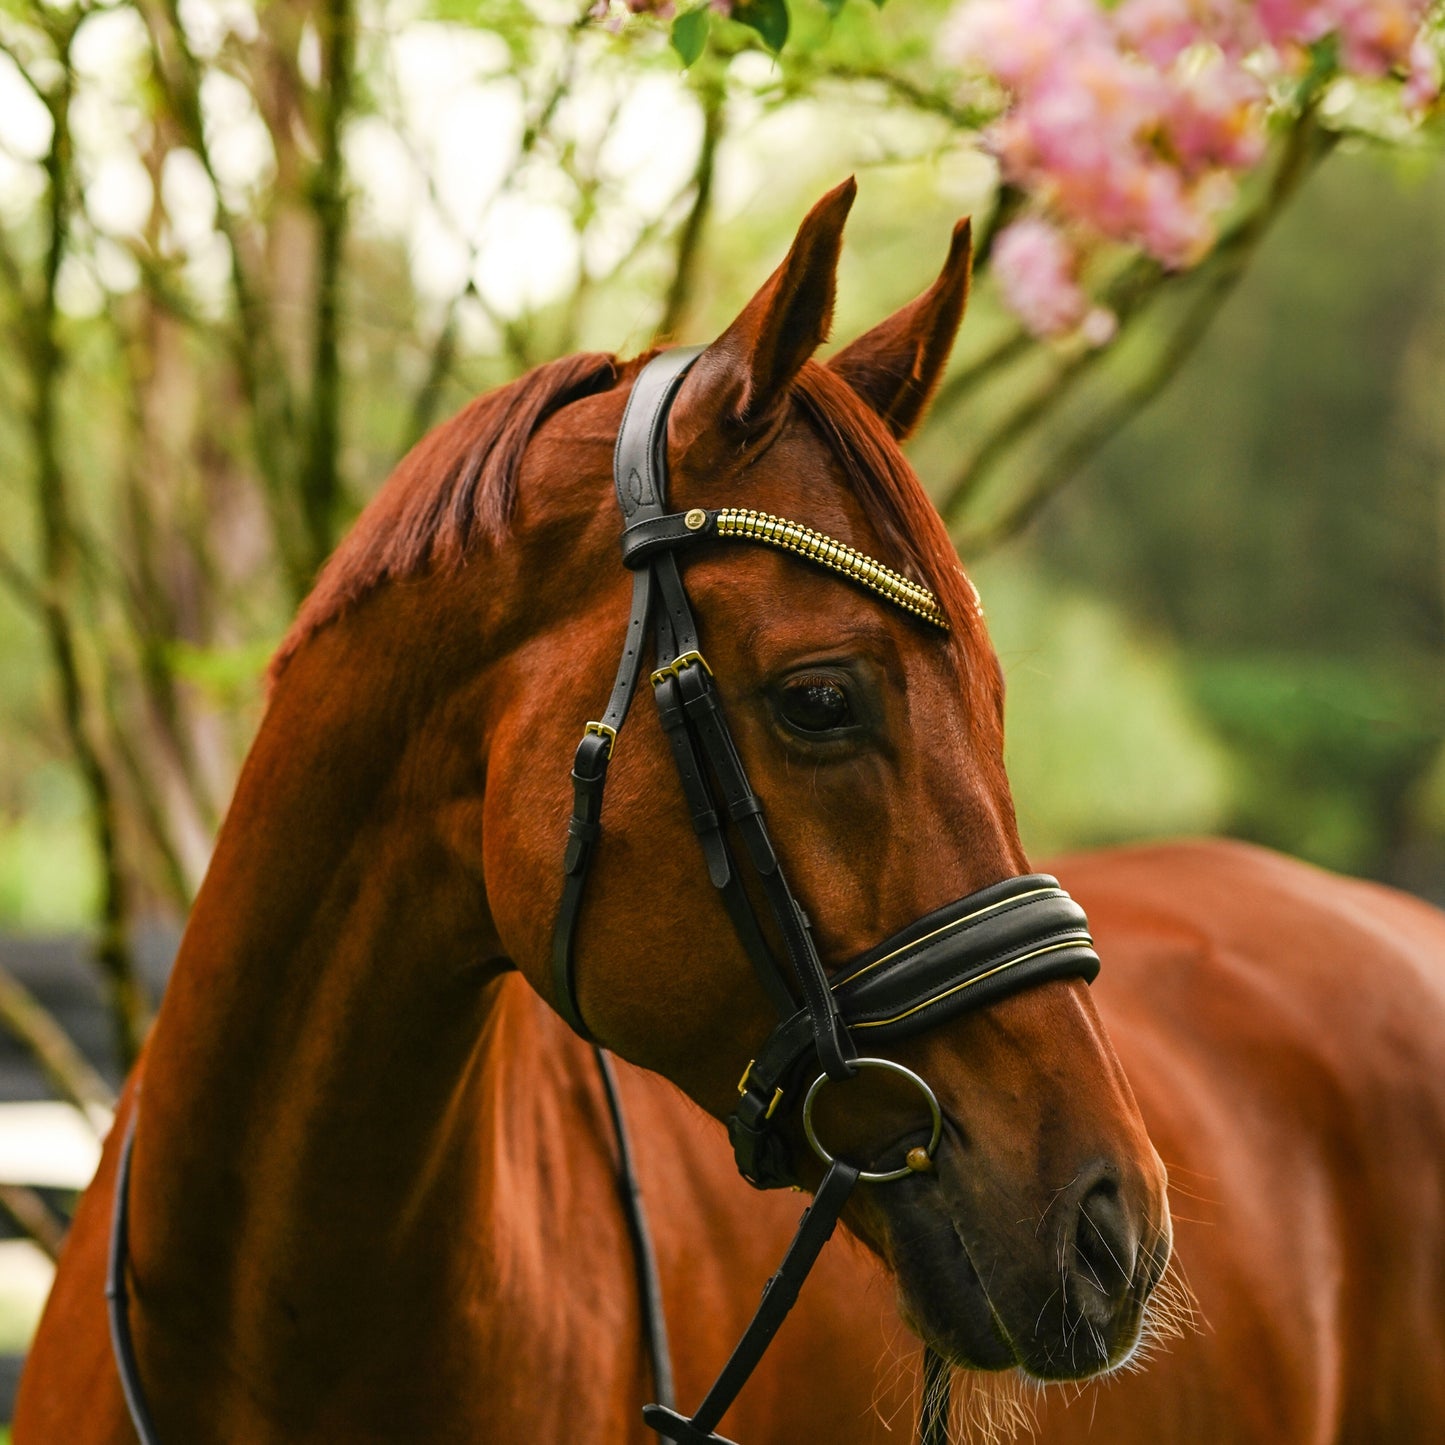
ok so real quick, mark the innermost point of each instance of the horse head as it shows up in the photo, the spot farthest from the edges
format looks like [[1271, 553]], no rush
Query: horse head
[[874, 741]]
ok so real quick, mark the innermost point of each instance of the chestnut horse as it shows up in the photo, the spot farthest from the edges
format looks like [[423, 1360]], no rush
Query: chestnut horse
[[374, 1195]]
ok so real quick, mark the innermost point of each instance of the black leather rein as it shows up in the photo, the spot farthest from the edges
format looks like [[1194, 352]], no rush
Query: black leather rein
[[1013, 935]]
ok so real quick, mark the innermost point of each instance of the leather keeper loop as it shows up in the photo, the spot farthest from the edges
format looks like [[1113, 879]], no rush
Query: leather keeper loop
[[642, 541], [748, 807]]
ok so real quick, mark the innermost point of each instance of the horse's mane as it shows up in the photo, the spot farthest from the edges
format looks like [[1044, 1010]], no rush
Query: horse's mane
[[456, 489]]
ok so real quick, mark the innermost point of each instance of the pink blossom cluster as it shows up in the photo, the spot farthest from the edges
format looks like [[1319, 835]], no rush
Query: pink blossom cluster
[[1037, 272], [1133, 121]]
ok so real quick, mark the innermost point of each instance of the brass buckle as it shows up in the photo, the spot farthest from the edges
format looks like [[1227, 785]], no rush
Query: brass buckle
[[743, 1088], [601, 730], [673, 668]]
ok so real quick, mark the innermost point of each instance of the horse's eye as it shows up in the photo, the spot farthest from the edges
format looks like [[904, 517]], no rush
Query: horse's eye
[[815, 705]]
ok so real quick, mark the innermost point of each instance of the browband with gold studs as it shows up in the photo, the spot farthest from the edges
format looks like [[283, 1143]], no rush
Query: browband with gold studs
[[751, 526]]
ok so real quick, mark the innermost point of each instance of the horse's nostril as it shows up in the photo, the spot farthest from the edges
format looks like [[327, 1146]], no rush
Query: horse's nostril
[[1105, 1241]]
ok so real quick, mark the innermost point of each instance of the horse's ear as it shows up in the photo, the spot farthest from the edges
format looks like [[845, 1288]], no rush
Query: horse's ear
[[740, 381], [896, 367]]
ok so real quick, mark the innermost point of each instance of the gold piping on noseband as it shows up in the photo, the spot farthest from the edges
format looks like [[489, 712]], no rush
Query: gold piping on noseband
[[836, 556]]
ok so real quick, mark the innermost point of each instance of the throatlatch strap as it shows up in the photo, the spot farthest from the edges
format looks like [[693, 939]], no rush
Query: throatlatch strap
[[780, 1293]]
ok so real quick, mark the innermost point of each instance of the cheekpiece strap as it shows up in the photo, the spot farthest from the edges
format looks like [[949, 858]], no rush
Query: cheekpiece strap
[[640, 477]]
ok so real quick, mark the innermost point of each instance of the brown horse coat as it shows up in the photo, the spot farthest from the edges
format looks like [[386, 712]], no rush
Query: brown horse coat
[[374, 1196]]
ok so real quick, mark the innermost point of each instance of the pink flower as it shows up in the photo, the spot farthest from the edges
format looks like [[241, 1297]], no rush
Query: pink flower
[[1215, 117], [1037, 273], [1295, 22], [1133, 121], [1014, 39], [1172, 227], [1376, 35], [1160, 30], [1422, 84]]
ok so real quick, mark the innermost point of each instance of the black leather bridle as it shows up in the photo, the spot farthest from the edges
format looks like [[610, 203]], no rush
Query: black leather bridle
[[1010, 936], [1013, 935]]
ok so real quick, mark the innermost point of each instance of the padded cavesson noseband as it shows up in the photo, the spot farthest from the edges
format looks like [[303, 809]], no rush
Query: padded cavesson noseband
[[1007, 937]]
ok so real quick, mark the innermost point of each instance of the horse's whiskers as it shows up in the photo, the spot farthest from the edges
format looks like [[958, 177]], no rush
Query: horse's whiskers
[[992, 1409], [1172, 1311], [998, 1408]]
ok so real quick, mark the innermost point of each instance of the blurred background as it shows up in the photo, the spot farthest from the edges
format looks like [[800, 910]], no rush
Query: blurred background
[[251, 249]]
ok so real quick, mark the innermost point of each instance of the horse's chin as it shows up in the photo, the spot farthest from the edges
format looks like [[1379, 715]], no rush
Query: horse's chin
[[987, 1322], [940, 1295]]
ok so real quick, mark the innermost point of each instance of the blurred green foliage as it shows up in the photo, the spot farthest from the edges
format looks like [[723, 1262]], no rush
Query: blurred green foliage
[[1232, 620], [1279, 517]]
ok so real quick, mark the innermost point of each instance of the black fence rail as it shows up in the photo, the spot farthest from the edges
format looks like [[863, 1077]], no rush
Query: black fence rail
[[59, 973]]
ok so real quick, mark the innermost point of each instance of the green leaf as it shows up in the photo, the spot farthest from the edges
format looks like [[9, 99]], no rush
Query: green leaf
[[835, 7], [769, 18], [689, 34]]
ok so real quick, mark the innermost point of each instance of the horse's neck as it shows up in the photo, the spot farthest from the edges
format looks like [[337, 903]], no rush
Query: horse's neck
[[352, 1115]]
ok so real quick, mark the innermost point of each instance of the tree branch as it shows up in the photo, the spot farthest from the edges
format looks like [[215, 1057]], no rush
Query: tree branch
[[441, 355], [684, 274], [1126, 296], [1216, 280], [32, 1216], [257, 358], [21, 586], [1002, 354], [937, 101], [113, 950], [320, 478], [67, 1069]]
